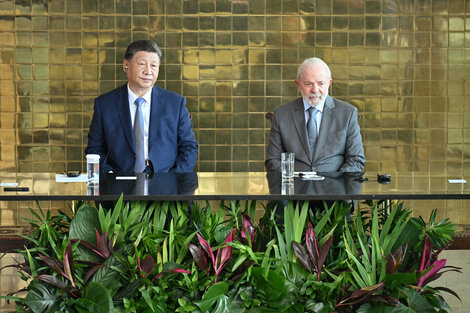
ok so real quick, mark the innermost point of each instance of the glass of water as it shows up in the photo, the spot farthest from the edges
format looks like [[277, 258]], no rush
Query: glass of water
[[93, 168], [287, 189], [287, 167]]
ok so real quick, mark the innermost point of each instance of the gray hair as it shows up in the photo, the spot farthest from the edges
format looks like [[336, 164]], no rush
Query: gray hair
[[310, 62]]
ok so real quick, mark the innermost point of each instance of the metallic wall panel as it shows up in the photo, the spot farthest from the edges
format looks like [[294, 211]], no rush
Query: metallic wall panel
[[404, 64]]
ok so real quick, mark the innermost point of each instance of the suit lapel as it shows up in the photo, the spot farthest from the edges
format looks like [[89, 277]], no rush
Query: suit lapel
[[298, 117], [327, 116], [156, 111], [125, 115]]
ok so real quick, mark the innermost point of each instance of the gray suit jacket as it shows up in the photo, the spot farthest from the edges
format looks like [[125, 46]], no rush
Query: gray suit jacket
[[339, 142]]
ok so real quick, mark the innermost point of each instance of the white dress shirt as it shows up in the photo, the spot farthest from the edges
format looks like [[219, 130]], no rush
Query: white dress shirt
[[319, 107], [145, 113]]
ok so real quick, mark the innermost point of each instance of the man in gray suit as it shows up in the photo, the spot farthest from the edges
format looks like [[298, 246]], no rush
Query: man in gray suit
[[323, 132]]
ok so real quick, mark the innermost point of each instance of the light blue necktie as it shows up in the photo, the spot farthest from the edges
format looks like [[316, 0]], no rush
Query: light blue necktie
[[312, 128], [139, 165]]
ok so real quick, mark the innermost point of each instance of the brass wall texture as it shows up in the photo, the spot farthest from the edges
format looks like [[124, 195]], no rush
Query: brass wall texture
[[404, 64]]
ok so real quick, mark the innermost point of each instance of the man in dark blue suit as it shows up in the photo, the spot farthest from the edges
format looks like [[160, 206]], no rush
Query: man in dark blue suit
[[165, 138]]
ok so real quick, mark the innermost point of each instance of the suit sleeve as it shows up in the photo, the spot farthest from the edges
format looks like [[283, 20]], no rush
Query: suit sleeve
[[275, 147], [187, 144], [354, 158], [96, 139]]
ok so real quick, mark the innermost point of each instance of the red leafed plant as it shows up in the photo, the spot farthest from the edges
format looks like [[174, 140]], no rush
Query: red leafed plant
[[395, 260], [104, 244], [104, 248], [315, 256], [430, 268], [201, 256], [247, 233], [147, 265], [66, 269]]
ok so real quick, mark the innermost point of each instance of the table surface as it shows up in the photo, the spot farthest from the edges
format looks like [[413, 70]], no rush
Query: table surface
[[237, 186]]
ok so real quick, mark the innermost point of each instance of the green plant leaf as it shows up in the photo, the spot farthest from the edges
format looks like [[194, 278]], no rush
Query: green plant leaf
[[214, 292], [31, 263], [127, 291], [223, 305], [41, 299], [84, 223], [416, 304], [409, 234], [252, 210], [273, 285], [239, 261], [299, 223], [184, 248], [107, 274], [419, 304], [96, 298], [171, 242], [401, 279], [116, 212], [162, 229], [387, 225], [145, 294], [360, 275], [319, 226], [294, 225], [400, 224], [83, 227], [376, 308]]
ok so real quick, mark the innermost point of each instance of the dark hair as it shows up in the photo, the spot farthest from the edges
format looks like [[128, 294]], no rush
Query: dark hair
[[142, 45]]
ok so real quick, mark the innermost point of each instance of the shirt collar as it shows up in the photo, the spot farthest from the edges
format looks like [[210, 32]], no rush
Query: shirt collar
[[133, 96], [319, 106]]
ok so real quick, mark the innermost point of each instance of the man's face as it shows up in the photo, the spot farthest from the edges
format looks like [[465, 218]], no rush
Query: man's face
[[313, 84], [142, 71]]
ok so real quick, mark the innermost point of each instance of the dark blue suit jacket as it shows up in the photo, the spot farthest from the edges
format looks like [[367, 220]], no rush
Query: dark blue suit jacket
[[172, 145]]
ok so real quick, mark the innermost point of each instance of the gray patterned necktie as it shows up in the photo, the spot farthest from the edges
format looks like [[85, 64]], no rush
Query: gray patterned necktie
[[139, 165], [312, 128]]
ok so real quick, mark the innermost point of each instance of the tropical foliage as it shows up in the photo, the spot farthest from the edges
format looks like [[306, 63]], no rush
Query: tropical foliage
[[168, 257]]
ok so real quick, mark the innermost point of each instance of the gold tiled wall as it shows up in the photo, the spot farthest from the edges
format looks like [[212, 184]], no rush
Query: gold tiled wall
[[404, 63]]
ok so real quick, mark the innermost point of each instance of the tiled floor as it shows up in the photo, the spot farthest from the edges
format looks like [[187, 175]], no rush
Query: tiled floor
[[460, 283], [10, 280]]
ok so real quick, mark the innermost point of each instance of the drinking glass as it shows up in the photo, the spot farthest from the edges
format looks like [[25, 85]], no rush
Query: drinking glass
[[287, 167], [93, 168]]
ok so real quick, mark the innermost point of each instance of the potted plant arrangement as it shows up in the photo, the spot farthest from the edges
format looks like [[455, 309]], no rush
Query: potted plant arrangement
[[142, 257]]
